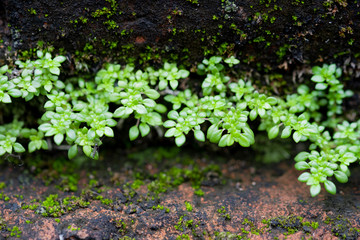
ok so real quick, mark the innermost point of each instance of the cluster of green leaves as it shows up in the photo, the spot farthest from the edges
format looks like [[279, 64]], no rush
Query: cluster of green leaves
[[32, 78], [79, 113]]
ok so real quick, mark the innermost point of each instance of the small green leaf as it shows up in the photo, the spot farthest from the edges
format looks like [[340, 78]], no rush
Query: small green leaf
[[244, 141], [19, 148], [45, 127], [58, 138], [48, 87], [149, 103], [304, 177], [297, 137], [32, 146], [174, 84], [121, 112], [70, 133], [59, 59], [173, 115], [162, 84], [302, 166], [6, 98], [286, 132], [317, 78], [321, 86], [160, 108], [180, 140], [199, 135], [330, 187], [100, 132], [72, 152], [153, 119], [39, 53], [214, 134], [87, 150], [144, 129], [140, 109], [271, 100], [2, 151], [315, 190], [261, 112], [151, 93], [49, 104], [170, 132], [15, 93], [108, 132], [302, 156], [253, 114], [183, 73], [169, 123], [133, 132], [91, 134], [341, 177], [55, 70], [224, 140], [316, 70], [44, 145], [111, 122], [273, 132]]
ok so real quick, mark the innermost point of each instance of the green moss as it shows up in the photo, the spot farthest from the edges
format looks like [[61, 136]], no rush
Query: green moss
[[15, 231], [32, 11], [188, 206], [4, 197], [193, 1], [111, 24], [2, 224], [71, 228], [2, 185], [106, 201], [161, 207], [53, 207], [69, 183], [174, 177], [199, 192], [137, 183], [121, 225], [341, 227], [290, 224]]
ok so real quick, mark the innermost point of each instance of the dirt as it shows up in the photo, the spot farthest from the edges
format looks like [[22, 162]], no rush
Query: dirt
[[240, 200]]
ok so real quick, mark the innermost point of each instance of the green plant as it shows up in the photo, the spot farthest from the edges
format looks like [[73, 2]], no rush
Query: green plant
[[188, 206], [15, 232], [193, 1], [80, 113]]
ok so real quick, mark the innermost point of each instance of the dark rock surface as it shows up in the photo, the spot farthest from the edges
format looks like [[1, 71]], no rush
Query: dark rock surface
[[269, 32]]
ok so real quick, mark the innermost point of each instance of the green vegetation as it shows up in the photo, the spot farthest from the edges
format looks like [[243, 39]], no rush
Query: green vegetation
[[121, 225], [15, 232], [188, 206], [161, 207], [193, 1], [223, 213], [4, 197], [53, 207], [80, 113]]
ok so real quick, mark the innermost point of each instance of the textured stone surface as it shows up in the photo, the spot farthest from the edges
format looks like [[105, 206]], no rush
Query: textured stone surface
[[270, 32]]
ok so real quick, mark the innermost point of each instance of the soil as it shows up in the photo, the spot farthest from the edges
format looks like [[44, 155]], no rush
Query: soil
[[153, 194]]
